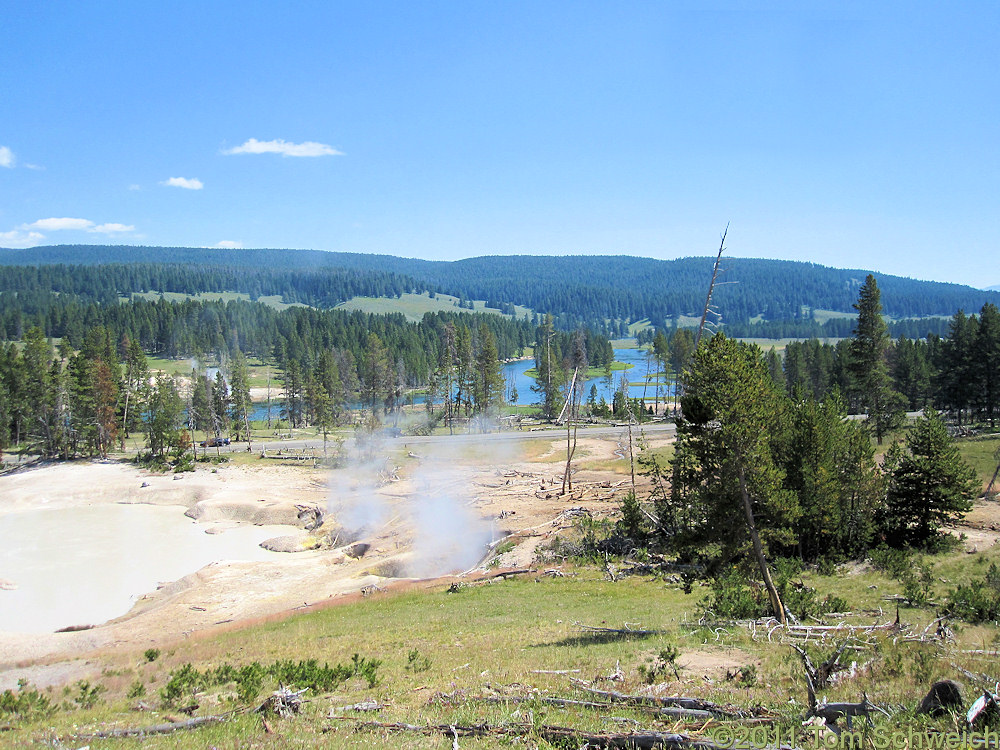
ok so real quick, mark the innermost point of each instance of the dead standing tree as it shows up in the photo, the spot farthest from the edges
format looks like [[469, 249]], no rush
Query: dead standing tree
[[574, 396], [711, 288]]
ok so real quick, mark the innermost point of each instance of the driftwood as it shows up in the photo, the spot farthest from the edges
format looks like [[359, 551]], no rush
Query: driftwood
[[638, 740], [173, 726]]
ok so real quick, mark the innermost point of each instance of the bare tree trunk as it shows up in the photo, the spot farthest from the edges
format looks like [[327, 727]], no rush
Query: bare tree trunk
[[128, 393], [570, 449], [711, 287], [758, 550], [269, 397]]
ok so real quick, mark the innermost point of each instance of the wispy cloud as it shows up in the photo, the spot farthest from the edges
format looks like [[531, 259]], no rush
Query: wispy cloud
[[184, 182], [6, 157], [78, 225], [17, 238], [55, 225], [285, 148], [134, 187], [112, 228], [229, 244]]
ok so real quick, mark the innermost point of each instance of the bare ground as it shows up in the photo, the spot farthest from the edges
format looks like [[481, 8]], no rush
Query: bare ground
[[520, 497]]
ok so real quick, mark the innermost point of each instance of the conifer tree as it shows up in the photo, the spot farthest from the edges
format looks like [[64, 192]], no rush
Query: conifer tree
[[930, 484], [724, 463], [868, 363]]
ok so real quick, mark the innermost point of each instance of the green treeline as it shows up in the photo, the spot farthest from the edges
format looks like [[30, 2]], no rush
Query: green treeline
[[958, 374], [56, 290], [758, 473], [768, 299], [84, 396], [194, 328]]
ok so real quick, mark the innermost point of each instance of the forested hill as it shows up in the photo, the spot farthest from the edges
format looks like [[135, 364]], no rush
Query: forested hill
[[578, 289]]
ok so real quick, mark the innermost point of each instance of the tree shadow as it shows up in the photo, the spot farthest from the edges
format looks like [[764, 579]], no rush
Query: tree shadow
[[597, 639]]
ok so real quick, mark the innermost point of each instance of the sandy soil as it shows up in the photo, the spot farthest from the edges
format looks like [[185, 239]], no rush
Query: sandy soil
[[425, 496]]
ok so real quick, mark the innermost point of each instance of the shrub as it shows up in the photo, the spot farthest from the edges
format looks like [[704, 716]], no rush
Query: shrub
[[657, 667], [894, 562], [249, 679], [632, 523], [977, 601], [26, 703], [87, 695], [136, 690], [417, 663]]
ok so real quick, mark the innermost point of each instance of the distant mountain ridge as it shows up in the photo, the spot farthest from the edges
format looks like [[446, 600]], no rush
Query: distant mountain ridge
[[578, 289]]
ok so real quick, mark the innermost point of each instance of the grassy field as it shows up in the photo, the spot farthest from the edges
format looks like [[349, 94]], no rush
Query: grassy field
[[413, 306], [982, 454], [780, 344], [258, 372], [273, 300], [440, 651], [460, 655]]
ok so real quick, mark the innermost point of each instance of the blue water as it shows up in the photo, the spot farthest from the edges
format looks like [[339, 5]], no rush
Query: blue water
[[634, 357], [523, 383]]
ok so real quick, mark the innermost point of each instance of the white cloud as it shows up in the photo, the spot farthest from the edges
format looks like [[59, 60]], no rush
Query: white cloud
[[111, 228], [17, 238], [229, 244], [134, 187], [307, 148], [78, 225], [6, 157], [55, 225], [184, 182]]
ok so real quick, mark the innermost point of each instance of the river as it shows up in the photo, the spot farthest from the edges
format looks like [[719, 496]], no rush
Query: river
[[515, 371]]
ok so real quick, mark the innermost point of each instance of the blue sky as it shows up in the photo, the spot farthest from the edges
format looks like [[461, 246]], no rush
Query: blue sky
[[848, 134]]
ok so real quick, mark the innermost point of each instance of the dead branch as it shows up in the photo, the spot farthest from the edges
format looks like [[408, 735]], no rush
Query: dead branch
[[167, 728], [690, 704], [664, 712], [638, 740], [284, 702], [370, 704], [818, 678], [555, 671]]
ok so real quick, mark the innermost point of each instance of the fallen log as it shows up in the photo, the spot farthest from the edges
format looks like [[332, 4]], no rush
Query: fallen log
[[562, 736], [689, 704], [167, 728], [672, 713]]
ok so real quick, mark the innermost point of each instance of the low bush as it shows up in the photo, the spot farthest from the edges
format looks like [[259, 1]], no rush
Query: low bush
[[249, 679]]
